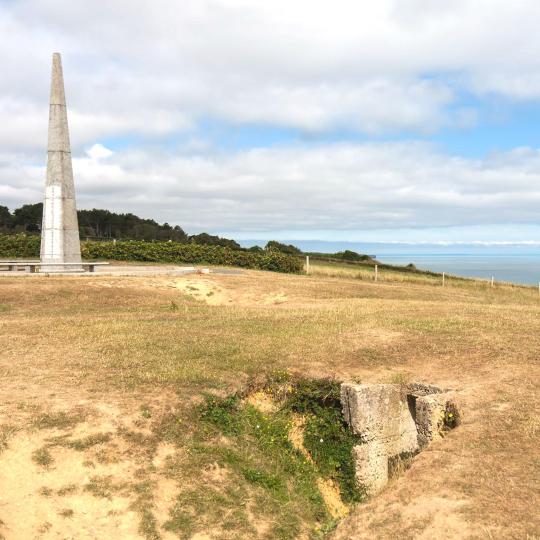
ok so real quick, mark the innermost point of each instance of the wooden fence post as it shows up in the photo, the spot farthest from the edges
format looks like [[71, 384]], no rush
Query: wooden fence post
[[376, 272], [443, 278], [307, 264]]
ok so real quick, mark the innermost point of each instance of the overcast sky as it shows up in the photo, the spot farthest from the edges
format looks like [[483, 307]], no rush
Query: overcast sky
[[406, 120]]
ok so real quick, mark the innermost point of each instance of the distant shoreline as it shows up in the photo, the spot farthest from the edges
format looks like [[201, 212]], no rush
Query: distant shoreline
[[516, 263]]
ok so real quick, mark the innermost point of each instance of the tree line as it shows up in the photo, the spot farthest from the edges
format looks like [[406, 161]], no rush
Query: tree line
[[98, 224]]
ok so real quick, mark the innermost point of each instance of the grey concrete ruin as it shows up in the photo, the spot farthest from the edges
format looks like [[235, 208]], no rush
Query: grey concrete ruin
[[391, 421], [60, 231]]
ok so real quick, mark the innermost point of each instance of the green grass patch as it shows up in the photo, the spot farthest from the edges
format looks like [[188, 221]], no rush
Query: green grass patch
[[327, 437], [59, 420], [239, 463], [255, 450], [104, 486], [80, 444], [143, 506]]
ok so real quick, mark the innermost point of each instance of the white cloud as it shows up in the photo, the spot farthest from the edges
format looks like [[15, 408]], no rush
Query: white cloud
[[98, 151], [332, 187], [155, 68], [145, 72]]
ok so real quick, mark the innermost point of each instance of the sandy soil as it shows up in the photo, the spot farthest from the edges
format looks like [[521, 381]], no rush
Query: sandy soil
[[72, 463]]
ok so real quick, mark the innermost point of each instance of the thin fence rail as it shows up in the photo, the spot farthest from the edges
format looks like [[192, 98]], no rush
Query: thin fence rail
[[388, 273]]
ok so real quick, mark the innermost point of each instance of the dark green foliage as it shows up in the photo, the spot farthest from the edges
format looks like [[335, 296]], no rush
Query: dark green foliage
[[327, 437], [330, 442], [92, 223], [260, 453], [282, 248], [209, 239], [271, 482], [452, 416], [310, 396], [174, 252], [6, 219], [97, 223], [347, 256], [28, 217], [21, 246], [223, 413]]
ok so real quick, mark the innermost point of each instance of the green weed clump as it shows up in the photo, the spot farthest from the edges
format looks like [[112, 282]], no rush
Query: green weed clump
[[224, 414], [262, 453], [265, 468], [59, 420], [327, 437]]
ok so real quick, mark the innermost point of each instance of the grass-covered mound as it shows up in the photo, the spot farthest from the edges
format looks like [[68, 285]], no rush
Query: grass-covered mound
[[21, 246], [283, 455]]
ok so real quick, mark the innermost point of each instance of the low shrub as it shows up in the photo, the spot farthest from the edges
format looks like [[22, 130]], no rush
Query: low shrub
[[21, 246], [17, 246]]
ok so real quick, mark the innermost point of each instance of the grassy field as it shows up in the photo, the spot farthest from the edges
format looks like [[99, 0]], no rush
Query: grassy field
[[107, 431]]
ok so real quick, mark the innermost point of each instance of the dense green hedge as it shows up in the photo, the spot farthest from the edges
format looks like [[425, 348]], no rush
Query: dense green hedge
[[15, 246], [12, 246]]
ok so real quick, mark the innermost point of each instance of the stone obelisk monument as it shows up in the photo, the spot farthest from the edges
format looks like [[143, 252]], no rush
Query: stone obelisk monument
[[60, 231]]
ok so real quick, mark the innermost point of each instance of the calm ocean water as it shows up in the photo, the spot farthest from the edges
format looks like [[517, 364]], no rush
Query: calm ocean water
[[515, 263], [514, 267]]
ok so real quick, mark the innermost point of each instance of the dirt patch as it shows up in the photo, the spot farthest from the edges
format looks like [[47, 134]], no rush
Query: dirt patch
[[296, 435], [262, 401], [330, 493], [88, 486], [214, 293], [106, 341], [33, 498], [203, 290]]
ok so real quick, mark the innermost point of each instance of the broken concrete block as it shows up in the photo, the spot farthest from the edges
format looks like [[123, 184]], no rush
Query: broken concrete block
[[380, 412], [371, 466], [422, 389], [391, 421], [429, 417]]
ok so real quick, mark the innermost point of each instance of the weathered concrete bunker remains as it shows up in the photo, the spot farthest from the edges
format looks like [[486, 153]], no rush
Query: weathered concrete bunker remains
[[393, 420]]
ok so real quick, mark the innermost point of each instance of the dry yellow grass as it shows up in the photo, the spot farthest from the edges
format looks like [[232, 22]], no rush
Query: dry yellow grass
[[104, 348]]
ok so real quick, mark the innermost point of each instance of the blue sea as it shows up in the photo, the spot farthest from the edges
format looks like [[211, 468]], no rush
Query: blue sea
[[517, 263]]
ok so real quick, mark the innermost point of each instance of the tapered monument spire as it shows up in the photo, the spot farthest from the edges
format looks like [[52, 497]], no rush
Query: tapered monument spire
[[60, 231]]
